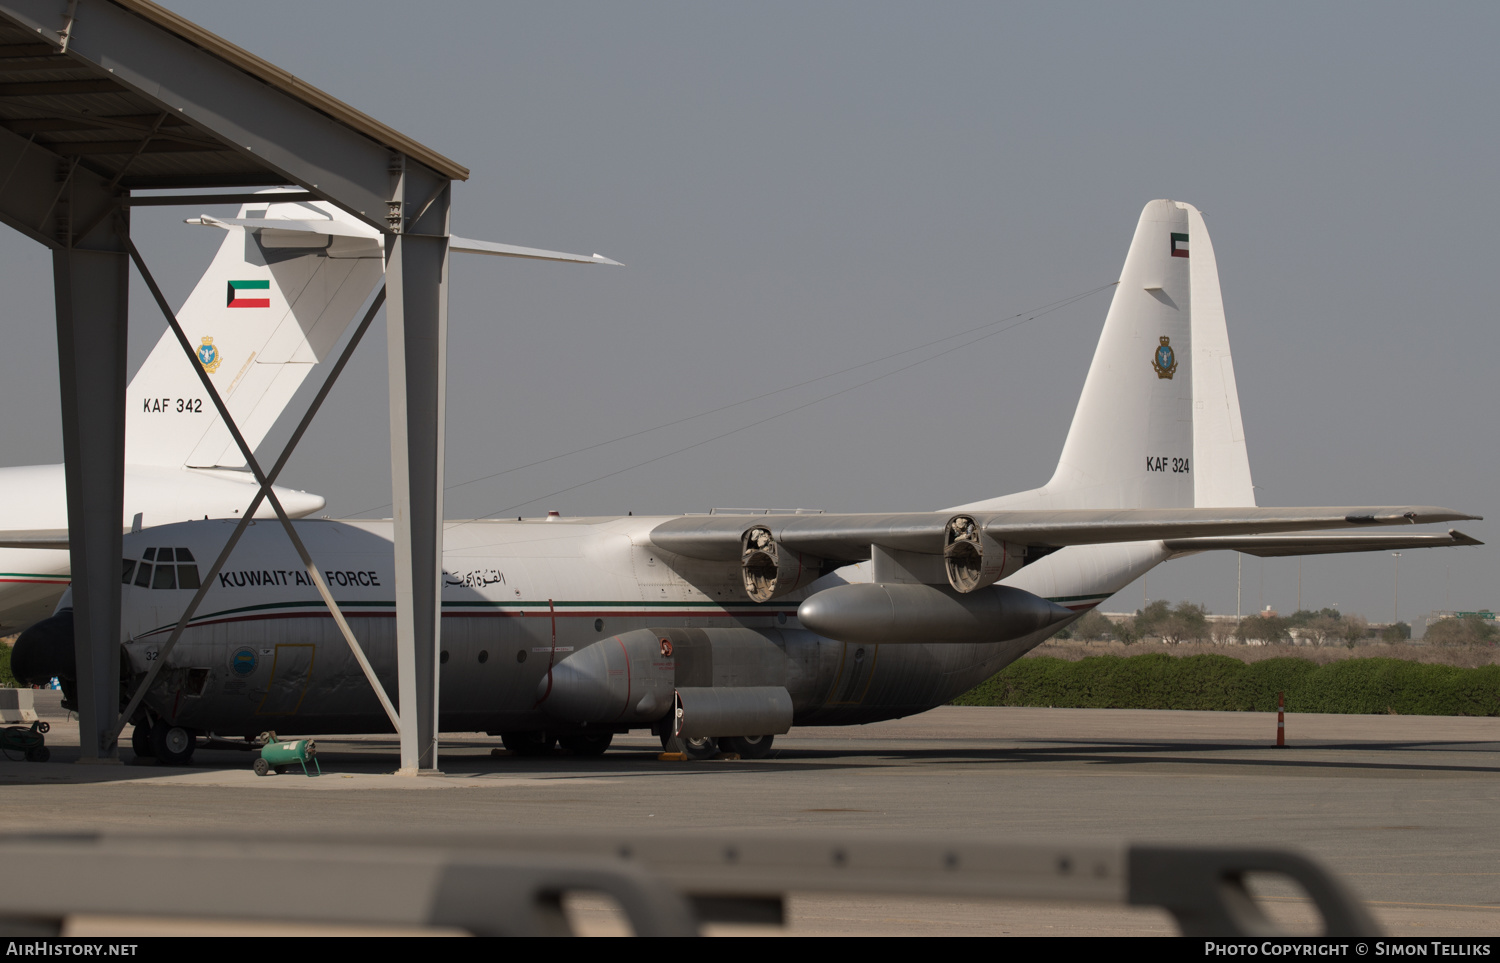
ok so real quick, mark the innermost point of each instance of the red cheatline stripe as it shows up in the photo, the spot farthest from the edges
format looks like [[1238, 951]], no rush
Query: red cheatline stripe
[[323, 613]]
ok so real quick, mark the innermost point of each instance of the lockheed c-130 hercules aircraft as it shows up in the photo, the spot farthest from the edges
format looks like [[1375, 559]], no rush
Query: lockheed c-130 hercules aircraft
[[725, 630]]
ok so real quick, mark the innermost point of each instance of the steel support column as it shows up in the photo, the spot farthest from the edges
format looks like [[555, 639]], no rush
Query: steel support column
[[416, 278], [91, 282]]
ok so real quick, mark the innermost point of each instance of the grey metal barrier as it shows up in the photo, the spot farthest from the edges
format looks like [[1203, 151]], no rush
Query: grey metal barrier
[[665, 885]]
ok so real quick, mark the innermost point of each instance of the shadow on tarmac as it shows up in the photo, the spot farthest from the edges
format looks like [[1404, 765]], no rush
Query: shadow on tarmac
[[468, 758]]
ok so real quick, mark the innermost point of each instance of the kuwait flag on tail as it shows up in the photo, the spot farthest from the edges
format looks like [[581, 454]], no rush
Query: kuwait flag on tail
[[1179, 245], [246, 294]]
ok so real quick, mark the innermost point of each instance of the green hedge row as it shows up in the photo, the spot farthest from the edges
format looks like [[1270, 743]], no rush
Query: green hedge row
[[1218, 682], [7, 681]]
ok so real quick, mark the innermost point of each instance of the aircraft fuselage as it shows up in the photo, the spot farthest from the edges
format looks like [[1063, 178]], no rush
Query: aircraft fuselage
[[520, 598]]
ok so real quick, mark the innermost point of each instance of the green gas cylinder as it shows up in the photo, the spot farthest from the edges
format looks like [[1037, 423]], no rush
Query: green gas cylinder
[[280, 755]]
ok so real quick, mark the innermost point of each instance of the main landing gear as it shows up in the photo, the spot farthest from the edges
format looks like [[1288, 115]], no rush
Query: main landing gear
[[168, 744], [543, 743], [706, 747], [586, 743], [749, 747], [703, 747]]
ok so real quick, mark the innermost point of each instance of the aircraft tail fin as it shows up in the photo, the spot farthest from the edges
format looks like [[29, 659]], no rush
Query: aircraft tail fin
[[1221, 463], [1158, 423], [272, 304]]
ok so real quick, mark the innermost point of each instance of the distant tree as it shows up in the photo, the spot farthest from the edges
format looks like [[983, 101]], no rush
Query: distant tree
[[1093, 627], [1262, 628], [1324, 629], [1187, 621], [1352, 628], [1302, 617], [1148, 621], [1463, 631], [1399, 632], [1222, 632]]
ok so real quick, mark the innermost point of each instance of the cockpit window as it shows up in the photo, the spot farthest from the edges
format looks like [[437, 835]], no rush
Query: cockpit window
[[129, 570], [163, 574], [166, 576], [187, 575]]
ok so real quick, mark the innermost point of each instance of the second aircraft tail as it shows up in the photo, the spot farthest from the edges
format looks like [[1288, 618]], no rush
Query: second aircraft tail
[[271, 305]]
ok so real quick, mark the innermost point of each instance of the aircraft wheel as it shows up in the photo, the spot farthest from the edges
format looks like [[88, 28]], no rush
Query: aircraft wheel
[[140, 742], [529, 743], [262, 768], [749, 747], [586, 743], [704, 747], [174, 745], [39, 754]]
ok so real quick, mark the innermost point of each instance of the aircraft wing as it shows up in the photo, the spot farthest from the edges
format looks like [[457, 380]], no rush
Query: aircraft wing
[[1320, 543], [849, 537]]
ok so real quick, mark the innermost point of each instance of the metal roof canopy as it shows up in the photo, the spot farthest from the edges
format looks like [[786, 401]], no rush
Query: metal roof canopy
[[102, 97]]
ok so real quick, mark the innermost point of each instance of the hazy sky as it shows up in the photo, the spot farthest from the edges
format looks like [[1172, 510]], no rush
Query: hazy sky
[[801, 187]]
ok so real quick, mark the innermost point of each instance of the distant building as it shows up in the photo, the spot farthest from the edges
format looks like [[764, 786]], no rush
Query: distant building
[[1440, 614]]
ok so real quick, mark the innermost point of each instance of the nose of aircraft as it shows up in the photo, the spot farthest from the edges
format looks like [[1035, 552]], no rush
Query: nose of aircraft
[[45, 650]]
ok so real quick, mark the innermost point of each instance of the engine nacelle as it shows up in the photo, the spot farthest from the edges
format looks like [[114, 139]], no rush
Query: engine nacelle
[[974, 559], [876, 613], [770, 569]]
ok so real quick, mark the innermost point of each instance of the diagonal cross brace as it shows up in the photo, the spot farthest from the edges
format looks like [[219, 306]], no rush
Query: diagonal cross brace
[[265, 492]]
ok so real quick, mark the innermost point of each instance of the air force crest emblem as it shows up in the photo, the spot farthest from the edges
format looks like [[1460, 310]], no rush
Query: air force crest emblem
[[209, 357], [243, 661], [1165, 361]]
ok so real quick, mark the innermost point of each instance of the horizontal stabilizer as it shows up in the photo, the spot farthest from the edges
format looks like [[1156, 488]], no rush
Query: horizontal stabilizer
[[849, 537], [1319, 543], [36, 538], [346, 229], [324, 227], [469, 246]]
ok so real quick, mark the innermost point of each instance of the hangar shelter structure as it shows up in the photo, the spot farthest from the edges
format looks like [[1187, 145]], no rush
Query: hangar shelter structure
[[101, 99]]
